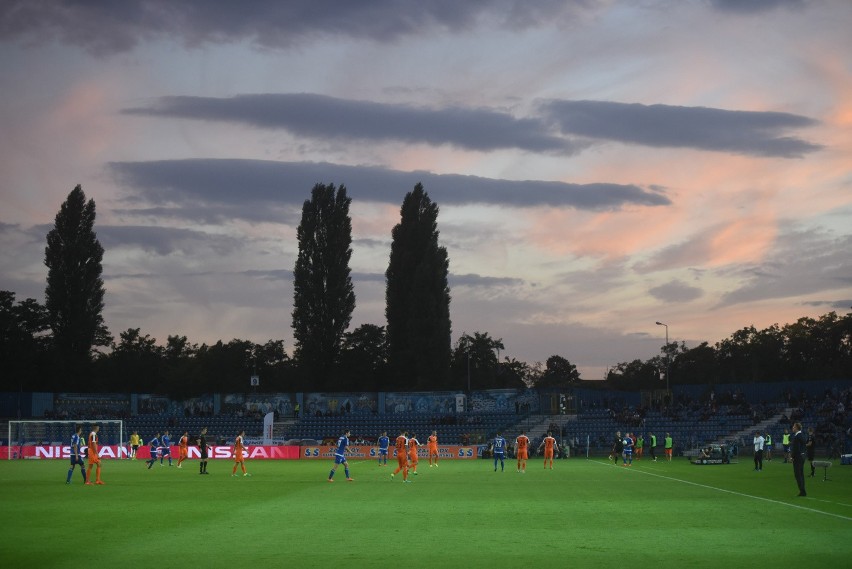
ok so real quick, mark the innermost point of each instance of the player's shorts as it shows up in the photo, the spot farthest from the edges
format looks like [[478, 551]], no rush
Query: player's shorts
[[204, 453], [786, 448], [548, 453], [668, 451], [184, 453], [238, 457], [523, 454], [77, 460], [166, 451], [339, 459], [94, 458], [135, 448], [402, 460], [433, 451], [383, 452], [412, 458], [498, 455]]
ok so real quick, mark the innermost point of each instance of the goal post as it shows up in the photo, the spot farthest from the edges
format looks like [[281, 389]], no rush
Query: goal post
[[35, 432]]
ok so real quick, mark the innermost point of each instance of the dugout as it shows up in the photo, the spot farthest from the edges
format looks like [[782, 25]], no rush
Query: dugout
[[713, 454]]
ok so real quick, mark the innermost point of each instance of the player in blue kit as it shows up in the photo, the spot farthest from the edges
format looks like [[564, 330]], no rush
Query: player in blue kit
[[384, 443], [340, 457], [498, 447], [154, 446], [627, 452], [166, 443], [76, 455]]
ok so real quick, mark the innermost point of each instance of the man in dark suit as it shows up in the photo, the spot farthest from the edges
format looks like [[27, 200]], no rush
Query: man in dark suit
[[798, 452]]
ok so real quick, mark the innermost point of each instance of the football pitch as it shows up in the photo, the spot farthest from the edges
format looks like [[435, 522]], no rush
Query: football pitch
[[583, 513]]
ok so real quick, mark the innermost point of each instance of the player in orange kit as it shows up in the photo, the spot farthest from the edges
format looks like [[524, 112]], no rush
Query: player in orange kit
[[413, 443], [239, 459], [432, 447], [94, 459], [549, 444], [183, 448], [401, 456], [522, 445]]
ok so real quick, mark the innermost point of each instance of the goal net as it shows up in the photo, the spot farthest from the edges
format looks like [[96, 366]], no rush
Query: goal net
[[45, 439]]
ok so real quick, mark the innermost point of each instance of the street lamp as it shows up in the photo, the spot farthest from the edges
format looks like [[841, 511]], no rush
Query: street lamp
[[668, 366]]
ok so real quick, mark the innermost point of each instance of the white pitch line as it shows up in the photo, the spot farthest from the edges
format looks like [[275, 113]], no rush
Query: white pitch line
[[847, 518]]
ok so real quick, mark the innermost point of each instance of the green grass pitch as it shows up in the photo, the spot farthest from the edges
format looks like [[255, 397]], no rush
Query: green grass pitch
[[583, 513]]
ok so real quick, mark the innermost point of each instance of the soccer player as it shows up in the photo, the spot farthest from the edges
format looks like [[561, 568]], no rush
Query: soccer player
[[652, 445], [785, 443], [166, 442], [669, 447], [401, 445], [617, 447], [134, 444], [154, 446], [340, 457], [413, 443], [76, 455], [767, 446], [94, 458], [384, 444], [201, 441], [522, 445], [550, 446], [639, 446], [432, 448], [498, 447], [183, 448], [240, 460], [627, 452]]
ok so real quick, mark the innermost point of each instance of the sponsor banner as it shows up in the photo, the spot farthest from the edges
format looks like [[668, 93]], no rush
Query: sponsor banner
[[372, 452], [259, 452]]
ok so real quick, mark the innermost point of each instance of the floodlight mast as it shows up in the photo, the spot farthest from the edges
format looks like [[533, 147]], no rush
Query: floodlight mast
[[668, 362]]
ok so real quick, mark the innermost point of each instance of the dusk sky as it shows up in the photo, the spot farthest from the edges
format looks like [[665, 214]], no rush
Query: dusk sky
[[599, 165]]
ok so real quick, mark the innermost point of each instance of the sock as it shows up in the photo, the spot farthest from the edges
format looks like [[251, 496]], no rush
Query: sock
[[70, 472], [347, 472], [331, 474], [98, 473], [83, 472]]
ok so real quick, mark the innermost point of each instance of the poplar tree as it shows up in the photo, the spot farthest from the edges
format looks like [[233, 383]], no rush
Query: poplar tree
[[74, 295], [324, 296], [418, 298]]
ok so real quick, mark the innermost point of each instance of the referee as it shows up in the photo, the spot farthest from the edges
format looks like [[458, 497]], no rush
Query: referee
[[202, 446]]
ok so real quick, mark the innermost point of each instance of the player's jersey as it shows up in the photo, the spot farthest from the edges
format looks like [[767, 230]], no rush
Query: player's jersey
[[342, 443], [548, 444], [499, 445], [154, 444], [166, 442], [523, 442], [75, 445], [401, 443], [433, 441], [184, 442], [628, 445], [413, 443], [93, 444], [238, 447], [384, 443], [134, 440]]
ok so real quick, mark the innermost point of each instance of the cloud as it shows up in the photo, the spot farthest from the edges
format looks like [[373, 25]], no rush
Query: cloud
[[738, 132], [108, 27], [801, 263], [754, 6], [676, 291], [473, 280], [250, 186], [331, 118], [165, 240]]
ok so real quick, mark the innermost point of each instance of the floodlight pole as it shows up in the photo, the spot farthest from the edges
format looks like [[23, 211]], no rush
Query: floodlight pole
[[668, 364]]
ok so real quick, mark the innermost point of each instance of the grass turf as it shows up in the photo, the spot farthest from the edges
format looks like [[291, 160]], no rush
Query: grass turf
[[582, 513]]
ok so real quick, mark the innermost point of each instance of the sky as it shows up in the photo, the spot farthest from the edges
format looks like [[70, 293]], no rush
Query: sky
[[599, 165]]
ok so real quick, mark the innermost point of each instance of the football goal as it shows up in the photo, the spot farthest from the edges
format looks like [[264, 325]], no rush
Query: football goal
[[36, 433]]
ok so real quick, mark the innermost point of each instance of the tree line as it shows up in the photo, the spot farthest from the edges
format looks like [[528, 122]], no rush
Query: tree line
[[64, 344]]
